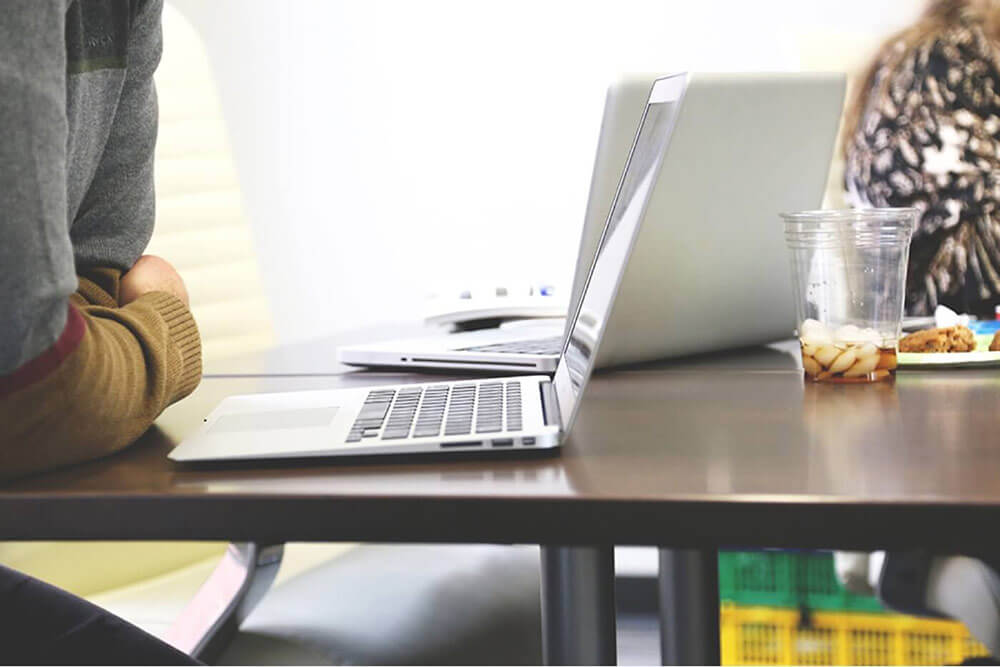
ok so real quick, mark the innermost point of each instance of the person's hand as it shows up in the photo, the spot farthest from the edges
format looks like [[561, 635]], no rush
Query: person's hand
[[151, 274]]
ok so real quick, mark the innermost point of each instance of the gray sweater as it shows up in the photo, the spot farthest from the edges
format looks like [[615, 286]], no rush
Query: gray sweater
[[78, 124]]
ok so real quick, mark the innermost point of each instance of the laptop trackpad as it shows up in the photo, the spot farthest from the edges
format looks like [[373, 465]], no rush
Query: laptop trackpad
[[278, 419]]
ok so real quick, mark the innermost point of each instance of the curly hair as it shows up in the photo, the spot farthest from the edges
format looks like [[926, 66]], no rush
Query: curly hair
[[937, 16], [924, 131]]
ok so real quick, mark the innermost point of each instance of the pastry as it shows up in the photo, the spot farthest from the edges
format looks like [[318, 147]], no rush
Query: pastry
[[945, 339], [995, 345]]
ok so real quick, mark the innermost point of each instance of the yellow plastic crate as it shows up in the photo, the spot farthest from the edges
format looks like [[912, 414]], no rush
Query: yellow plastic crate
[[772, 636]]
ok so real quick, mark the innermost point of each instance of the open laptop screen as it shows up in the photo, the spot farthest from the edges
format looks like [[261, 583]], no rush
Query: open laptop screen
[[638, 178]]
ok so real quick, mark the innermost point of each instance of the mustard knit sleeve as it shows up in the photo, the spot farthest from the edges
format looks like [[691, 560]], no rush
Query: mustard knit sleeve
[[118, 369]]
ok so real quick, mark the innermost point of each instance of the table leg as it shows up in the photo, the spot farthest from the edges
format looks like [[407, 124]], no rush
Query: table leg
[[689, 607], [578, 605], [234, 588]]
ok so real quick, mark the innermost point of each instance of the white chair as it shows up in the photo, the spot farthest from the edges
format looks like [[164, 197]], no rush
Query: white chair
[[959, 587]]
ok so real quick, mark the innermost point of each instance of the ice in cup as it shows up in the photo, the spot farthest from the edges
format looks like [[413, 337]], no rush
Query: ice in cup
[[847, 354], [848, 279]]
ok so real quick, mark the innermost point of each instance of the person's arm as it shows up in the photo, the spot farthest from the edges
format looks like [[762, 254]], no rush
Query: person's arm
[[114, 220], [80, 377]]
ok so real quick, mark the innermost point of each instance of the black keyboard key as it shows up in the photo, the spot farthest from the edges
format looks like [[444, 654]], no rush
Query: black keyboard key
[[513, 390], [403, 412], [431, 413], [372, 414], [375, 410]]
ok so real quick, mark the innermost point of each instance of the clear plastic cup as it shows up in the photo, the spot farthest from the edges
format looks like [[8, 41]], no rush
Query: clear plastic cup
[[848, 279]]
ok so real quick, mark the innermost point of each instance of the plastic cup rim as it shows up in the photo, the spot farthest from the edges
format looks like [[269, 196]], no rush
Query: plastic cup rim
[[907, 214]]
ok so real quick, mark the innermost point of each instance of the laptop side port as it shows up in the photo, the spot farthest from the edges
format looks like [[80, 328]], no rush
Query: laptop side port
[[467, 443], [503, 442]]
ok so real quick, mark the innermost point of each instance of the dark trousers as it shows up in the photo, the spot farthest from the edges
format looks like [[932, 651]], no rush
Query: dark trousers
[[41, 624]]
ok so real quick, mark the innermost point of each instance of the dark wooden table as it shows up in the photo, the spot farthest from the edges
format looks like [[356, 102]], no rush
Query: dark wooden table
[[727, 450]]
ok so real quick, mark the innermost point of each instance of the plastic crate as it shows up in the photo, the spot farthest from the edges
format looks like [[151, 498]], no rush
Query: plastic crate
[[787, 579], [770, 636]]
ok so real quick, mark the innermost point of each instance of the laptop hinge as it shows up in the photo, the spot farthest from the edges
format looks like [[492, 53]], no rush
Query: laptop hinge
[[550, 406]]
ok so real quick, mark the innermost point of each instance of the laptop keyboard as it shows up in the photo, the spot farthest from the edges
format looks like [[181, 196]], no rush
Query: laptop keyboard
[[422, 412], [538, 346]]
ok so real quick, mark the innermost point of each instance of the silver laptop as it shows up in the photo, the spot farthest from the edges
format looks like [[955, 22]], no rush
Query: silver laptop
[[712, 272], [530, 412]]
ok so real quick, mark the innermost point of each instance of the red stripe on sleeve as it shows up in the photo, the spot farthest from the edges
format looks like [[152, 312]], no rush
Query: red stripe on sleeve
[[32, 371]]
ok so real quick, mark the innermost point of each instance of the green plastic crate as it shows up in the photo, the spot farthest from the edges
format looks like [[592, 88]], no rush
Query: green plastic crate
[[787, 579]]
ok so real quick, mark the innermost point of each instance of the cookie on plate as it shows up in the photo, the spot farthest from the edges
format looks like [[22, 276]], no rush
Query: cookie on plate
[[995, 345], [945, 339]]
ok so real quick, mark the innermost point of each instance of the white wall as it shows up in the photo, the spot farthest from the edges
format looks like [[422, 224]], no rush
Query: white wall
[[390, 148]]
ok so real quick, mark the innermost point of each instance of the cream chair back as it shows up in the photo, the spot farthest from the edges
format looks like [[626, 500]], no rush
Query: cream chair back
[[201, 226]]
